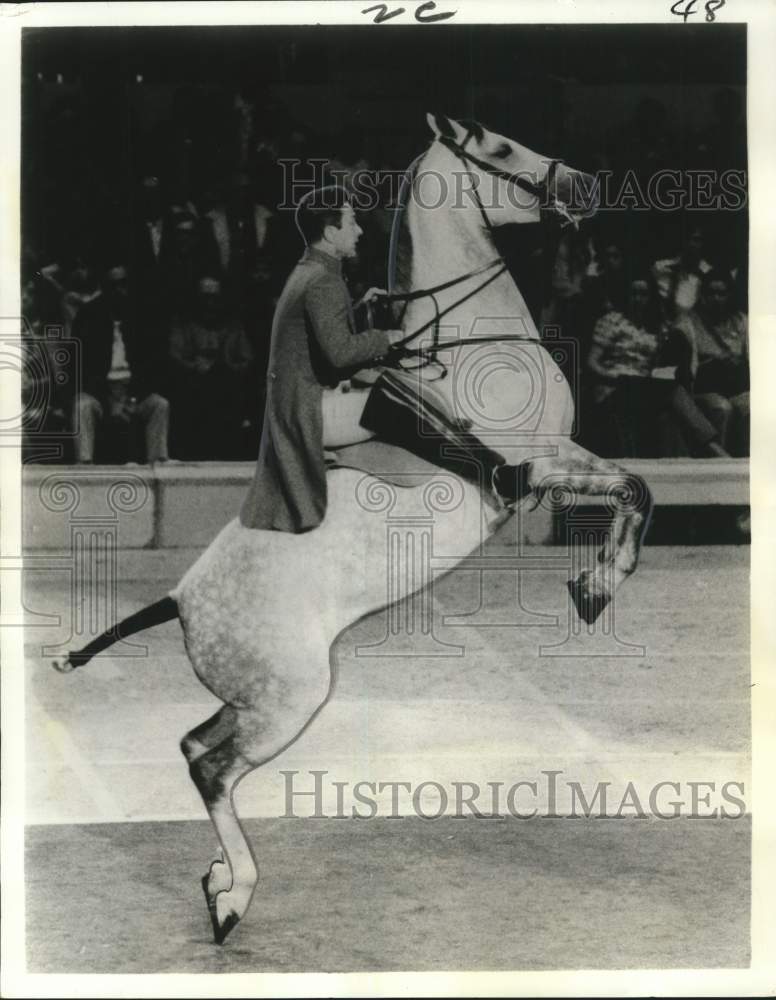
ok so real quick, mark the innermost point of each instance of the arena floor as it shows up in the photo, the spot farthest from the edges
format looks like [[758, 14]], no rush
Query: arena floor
[[117, 840]]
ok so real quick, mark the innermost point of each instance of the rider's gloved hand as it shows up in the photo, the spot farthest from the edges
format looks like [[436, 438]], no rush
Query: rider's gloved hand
[[370, 296]]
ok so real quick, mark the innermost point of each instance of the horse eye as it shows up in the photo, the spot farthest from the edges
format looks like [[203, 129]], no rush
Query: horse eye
[[503, 151]]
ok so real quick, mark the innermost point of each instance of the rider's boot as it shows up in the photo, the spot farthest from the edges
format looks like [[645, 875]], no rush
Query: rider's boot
[[398, 415]]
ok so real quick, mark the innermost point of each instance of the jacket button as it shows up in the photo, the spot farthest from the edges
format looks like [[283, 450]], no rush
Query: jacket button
[[273, 375]]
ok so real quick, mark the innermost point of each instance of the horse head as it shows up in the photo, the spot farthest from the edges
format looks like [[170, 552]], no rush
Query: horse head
[[507, 182]]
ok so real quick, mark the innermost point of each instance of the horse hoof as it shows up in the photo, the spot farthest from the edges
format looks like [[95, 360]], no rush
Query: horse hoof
[[220, 930], [589, 606], [63, 666], [220, 933]]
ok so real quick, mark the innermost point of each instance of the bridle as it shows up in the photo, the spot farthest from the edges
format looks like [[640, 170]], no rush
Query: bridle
[[540, 191], [415, 358]]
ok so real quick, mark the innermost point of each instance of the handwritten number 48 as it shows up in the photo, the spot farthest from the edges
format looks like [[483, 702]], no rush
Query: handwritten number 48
[[684, 8]]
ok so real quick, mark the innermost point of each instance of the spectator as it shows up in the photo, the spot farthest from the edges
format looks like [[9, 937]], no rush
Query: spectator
[[150, 240], [716, 335], [81, 286], [122, 371], [606, 290], [641, 405], [185, 264], [570, 270], [41, 288], [572, 261], [210, 358], [235, 233], [679, 278], [217, 231]]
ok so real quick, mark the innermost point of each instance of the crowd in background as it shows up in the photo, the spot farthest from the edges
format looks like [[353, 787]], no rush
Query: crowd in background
[[166, 320]]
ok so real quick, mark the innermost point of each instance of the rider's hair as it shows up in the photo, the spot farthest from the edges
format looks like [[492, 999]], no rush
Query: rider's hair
[[318, 209]]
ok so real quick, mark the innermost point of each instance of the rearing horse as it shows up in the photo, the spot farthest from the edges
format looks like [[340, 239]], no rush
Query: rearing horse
[[260, 610]]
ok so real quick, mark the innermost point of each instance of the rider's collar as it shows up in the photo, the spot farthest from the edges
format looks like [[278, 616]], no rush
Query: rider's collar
[[321, 257]]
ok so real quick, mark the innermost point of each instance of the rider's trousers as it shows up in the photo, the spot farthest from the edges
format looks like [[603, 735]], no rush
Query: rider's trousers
[[396, 413]]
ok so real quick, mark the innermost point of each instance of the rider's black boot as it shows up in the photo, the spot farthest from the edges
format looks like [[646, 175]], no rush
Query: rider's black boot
[[396, 414]]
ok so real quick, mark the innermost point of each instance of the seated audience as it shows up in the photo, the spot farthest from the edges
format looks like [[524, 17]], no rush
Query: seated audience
[[638, 407], [660, 361], [716, 335], [122, 371], [210, 358]]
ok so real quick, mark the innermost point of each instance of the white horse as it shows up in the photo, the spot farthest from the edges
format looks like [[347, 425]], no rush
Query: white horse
[[260, 610]]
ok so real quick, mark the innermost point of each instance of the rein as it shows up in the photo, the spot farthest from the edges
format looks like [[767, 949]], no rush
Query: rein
[[426, 356]]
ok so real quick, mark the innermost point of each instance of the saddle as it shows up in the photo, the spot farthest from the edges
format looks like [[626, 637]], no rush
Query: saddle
[[386, 462]]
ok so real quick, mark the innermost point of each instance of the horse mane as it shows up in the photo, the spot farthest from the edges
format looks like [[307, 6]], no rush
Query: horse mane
[[400, 249]]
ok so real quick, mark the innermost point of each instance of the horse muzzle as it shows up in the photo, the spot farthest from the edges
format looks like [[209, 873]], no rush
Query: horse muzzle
[[574, 194]]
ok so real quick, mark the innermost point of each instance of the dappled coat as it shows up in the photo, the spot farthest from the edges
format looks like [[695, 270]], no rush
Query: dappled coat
[[314, 344]]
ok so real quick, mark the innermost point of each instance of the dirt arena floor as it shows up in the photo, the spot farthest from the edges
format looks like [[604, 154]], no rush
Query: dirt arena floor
[[117, 838], [397, 895]]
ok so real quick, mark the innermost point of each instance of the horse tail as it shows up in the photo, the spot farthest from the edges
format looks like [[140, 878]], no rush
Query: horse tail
[[155, 614]]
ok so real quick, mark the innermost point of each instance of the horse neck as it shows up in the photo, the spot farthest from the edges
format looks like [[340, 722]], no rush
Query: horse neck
[[448, 243]]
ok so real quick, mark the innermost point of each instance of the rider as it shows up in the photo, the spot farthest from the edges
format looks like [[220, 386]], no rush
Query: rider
[[314, 345]]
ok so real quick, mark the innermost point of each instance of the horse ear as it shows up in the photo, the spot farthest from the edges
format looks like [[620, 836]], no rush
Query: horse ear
[[441, 125]]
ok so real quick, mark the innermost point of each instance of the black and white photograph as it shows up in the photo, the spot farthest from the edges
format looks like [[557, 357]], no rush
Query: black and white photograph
[[385, 528]]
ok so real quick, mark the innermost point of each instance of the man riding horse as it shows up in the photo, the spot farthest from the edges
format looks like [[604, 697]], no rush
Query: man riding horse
[[241, 604], [314, 347]]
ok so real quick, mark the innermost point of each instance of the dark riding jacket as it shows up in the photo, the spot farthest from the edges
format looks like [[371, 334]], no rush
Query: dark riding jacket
[[314, 344]]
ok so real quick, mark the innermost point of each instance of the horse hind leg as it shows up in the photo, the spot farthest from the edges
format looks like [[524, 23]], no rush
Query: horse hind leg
[[216, 774], [257, 737], [573, 471], [199, 741], [209, 733]]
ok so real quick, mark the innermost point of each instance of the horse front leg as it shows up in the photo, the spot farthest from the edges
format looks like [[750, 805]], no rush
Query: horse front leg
[[577, 471]]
